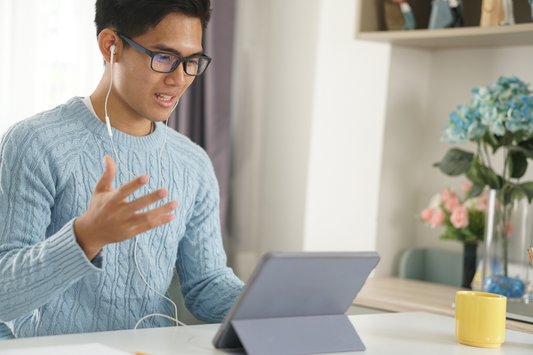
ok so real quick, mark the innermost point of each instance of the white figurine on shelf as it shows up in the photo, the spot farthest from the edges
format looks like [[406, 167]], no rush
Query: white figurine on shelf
[[509, 14]]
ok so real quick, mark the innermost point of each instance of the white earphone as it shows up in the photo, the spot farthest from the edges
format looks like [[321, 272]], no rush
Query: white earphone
[[112, 50], [108, 124]]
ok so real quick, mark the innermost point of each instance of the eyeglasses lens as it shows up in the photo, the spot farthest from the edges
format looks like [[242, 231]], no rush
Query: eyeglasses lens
[[167, 63], [164, 62]]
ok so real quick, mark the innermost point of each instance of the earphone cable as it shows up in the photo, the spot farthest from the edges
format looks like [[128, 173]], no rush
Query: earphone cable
[[108, 123]]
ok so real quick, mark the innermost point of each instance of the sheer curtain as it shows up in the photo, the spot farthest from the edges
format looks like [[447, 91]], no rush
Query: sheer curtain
[[49, 54]]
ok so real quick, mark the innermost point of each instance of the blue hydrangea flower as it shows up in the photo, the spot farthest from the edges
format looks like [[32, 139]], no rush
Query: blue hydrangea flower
[[464, 125], [520, 114], [505, 106]]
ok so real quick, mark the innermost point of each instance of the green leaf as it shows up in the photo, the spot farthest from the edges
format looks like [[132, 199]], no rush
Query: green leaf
[[493, 141], [527, 144], [474, 174], [517, 194], [517, 164], [513, 192], [522, 136], [483, 175], [455, 162], [476, 225], [507, 138], [476, 190], [516, 148], [527, 188], [508, 192]]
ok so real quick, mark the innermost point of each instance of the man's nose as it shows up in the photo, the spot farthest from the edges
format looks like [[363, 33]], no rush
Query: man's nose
[[177, 77]]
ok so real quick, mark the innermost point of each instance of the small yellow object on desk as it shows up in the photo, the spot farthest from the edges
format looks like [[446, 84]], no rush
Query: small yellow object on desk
[[530, 253], [480, 318]]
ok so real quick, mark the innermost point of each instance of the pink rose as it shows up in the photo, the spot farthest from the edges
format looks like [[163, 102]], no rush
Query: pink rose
[[482, 203], [437, 218], [447, 194], [452, 204], [466, 187], [459, 217], [426, 214]]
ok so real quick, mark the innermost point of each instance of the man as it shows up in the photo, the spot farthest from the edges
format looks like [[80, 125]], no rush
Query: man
[[67, 249]]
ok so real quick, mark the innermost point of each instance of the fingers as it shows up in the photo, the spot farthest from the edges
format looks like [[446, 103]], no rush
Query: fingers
[[149, 220], [146, 200], [130, 187], [106, 180]]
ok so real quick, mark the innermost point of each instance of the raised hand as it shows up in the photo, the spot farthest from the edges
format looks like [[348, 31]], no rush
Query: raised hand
[[112, 219]]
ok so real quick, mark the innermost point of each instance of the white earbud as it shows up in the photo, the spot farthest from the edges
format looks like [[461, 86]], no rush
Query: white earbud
[[108, 124]]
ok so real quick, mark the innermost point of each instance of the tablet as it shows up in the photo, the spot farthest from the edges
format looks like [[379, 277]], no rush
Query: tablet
[[298, 284]]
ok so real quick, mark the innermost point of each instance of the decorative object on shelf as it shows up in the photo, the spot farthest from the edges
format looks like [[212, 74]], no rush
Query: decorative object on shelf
[[446, 14], [464, 219], [498, 117], [492, 13], [508, 11], [399, 15]]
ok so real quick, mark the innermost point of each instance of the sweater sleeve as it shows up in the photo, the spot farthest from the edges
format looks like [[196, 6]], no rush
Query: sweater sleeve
[[34, 268], [209, 287]]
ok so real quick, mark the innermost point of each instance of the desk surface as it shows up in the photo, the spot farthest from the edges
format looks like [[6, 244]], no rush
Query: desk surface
[[387, 333], [405, 295]]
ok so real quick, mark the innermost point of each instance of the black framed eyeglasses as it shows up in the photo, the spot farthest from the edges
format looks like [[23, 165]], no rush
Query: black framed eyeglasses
[[163, 62]]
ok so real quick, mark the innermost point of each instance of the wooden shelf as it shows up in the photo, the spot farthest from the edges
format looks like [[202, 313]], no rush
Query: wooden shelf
[[371, 27], [465, 37]]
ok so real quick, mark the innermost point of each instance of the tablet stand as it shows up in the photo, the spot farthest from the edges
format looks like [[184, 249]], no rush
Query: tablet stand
[[297, 335]]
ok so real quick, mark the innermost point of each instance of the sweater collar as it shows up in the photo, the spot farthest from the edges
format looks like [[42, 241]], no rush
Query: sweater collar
[[98, 128]]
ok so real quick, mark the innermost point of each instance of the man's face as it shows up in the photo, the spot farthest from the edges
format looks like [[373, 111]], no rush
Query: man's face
[[144, 93]]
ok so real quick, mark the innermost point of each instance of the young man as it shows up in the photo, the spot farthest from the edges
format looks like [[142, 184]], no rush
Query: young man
[[68, 250]]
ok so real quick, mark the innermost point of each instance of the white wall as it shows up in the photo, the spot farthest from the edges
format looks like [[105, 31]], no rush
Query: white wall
[[274, 75], [309, 112], [407, 103], [346, 142]]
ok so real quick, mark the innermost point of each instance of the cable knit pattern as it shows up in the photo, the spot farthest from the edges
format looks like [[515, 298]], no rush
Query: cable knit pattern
[[49, 165]]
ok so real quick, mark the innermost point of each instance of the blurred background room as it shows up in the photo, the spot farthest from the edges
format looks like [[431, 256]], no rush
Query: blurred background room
[[330, 134]]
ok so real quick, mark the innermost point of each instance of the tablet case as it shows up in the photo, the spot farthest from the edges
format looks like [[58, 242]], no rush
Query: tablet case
[[294, 304]]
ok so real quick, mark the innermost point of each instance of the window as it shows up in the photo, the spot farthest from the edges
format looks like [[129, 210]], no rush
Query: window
[[49, 54]]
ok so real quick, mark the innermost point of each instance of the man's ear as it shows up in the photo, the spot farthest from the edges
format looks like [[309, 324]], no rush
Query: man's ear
[[106, 39]]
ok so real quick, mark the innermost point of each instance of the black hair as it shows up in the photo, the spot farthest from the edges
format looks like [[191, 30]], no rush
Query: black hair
[[134, 18]]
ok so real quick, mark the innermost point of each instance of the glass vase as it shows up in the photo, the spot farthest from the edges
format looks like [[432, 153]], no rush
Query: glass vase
[[506, 266]]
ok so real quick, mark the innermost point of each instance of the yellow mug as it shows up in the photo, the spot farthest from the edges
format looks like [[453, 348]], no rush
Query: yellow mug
[[480, 318]]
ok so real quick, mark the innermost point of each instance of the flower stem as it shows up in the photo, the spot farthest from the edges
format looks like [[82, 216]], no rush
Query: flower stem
[[487, 154]]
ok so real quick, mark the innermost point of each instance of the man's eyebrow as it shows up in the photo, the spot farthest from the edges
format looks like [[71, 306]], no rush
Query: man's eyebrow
[[163, 48]]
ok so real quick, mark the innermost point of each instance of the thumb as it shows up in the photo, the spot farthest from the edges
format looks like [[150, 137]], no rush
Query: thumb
[[104, 184]]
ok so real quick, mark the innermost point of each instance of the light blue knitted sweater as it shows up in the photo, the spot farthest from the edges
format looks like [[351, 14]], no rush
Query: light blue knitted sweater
[[49, 165]]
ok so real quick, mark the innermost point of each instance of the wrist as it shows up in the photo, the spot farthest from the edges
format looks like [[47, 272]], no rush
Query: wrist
[[84, 239]]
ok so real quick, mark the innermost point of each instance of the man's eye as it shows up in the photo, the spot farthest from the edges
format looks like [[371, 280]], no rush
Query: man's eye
[[164, 58]]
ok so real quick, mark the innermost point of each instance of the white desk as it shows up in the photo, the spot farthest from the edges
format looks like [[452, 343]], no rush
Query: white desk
[[389, 333]]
